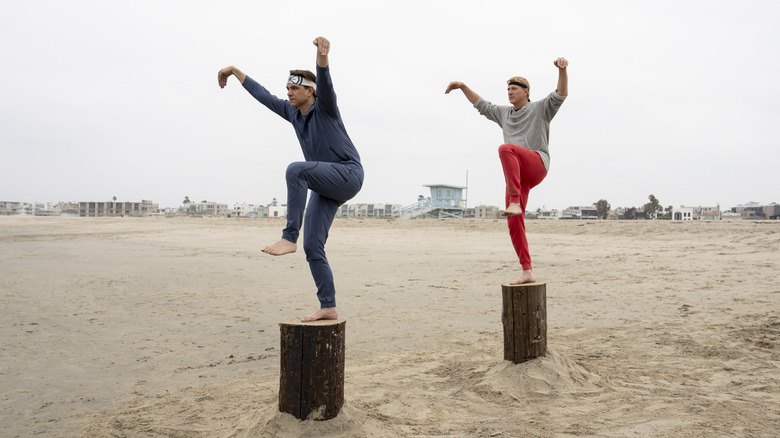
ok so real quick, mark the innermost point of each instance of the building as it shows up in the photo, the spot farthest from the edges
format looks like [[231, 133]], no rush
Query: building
[[445, 201], [8, 208], [113, 208], [589, 212], [757, 211], [751, 210], [683, 213], [367, 210], [206, 208], [277, 210], [697, 213], [772, 211], [69, 208], [246, 210], [487, 212], [549, 214]]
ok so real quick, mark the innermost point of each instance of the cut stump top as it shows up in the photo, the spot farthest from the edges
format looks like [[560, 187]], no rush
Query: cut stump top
[[536, 283], [318, 322]]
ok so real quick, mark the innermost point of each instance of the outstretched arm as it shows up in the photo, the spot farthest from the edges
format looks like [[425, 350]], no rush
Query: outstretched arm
[[563, 77], [225, 73], [323, 47], [470, 95]]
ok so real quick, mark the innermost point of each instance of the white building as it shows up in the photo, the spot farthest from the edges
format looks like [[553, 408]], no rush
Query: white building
[[683, 213], [696, 213], [277, 211], [549, 214], [580, 212], [245, 210]]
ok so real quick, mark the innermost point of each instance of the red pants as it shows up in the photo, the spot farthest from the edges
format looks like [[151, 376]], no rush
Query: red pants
[[523, 169]]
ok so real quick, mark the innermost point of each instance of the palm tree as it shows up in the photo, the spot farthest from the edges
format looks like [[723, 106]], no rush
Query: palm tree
[[186, 203]]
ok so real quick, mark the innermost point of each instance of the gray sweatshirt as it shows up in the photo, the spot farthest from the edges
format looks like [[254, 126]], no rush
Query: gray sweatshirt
[[528, 127]]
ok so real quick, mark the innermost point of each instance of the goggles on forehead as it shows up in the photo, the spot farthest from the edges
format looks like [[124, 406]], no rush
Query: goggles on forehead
[[300, 80]]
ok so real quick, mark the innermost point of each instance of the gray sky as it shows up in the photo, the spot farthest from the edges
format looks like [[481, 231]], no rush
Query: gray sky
[[674, 98]]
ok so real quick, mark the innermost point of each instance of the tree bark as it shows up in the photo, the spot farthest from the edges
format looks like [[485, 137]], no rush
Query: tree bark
[[311, 383], [524, 317]]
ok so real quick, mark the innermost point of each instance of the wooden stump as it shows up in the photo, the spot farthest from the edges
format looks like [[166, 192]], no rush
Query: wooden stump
[[311, 384], [524, 317]]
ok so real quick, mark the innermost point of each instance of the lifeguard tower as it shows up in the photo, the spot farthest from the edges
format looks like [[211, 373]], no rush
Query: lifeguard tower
[[445, 201]]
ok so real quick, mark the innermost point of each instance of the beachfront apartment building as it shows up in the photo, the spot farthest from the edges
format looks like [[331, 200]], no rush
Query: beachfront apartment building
[[366, 210], [247, 210], [772, 211], [486, 212], [9, 208], [755, 210], [206, 208], [113, 208], [549, 214], [276, 211], [580, 212]]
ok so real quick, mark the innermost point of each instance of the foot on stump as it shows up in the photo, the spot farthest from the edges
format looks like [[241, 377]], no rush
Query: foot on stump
[[325, 313], [527, 277]]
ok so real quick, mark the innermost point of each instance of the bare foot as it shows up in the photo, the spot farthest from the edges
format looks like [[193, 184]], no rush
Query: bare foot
[[527, 277], [326, 313], [281, 247], [514, 209]]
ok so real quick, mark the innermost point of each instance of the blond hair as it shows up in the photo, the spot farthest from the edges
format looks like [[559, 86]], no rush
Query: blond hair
[[523, 82]]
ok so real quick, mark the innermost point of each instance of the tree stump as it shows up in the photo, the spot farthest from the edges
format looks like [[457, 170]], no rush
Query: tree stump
[[524, 317], [311, 384]]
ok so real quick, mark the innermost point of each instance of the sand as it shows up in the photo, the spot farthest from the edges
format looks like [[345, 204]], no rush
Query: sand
[[168, 327]]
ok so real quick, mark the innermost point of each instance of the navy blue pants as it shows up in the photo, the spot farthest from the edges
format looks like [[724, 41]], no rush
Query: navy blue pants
[[331, 184]]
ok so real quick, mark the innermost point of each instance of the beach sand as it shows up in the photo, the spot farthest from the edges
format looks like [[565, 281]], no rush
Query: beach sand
[[168, 327]]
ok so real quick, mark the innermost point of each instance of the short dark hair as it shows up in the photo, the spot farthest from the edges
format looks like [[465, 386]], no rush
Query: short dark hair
[[306, 75]]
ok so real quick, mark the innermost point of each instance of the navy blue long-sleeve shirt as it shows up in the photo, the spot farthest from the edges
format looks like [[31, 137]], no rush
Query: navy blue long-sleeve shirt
[[321, 131]]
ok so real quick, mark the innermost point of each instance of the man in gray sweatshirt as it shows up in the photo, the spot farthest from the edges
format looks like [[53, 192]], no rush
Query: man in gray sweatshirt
[[525, 156]]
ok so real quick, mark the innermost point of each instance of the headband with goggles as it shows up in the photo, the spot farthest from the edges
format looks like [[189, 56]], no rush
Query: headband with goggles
[[300, 80]]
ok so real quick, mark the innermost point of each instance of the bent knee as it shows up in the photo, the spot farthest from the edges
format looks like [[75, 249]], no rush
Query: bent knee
[[505, 148], [293, 170]]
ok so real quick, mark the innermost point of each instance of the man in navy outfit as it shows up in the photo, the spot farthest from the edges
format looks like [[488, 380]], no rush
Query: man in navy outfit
[[332, 170]]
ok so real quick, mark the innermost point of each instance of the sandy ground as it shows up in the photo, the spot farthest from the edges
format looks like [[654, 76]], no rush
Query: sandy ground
[[168, 327]]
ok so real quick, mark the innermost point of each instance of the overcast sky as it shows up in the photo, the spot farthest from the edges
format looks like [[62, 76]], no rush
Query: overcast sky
[[678, 99]]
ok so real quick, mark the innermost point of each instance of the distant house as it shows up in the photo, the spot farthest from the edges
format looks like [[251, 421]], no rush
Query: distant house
[[751, 210], [277, 211], [683, 214], [487, 212], [246, 210], [549, 214], [772, 211], [754, 210], [589, 212], [206, 208], [379, 210]]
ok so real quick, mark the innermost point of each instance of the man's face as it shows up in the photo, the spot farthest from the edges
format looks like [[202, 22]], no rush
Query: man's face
[[517, 95], [298, 95]]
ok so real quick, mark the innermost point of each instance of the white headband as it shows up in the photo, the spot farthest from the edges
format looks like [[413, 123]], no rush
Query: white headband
[[300, 80]]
